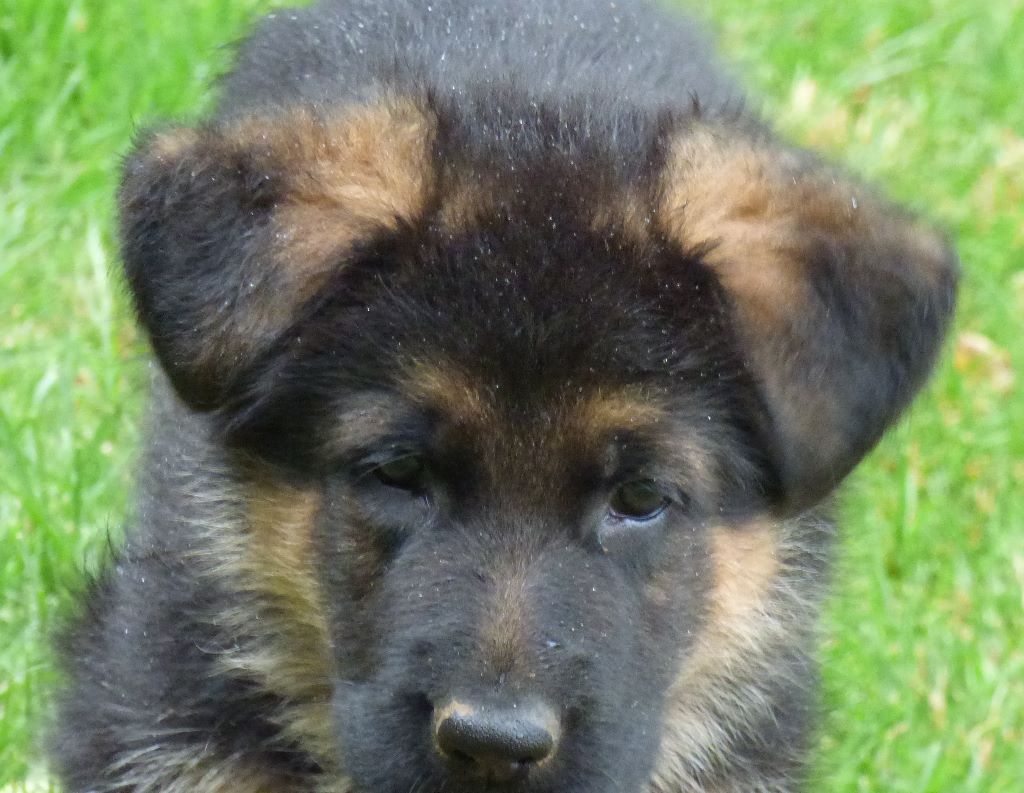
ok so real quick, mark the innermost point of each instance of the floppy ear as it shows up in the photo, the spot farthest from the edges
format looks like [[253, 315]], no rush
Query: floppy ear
[[228, 229], [841, 299]]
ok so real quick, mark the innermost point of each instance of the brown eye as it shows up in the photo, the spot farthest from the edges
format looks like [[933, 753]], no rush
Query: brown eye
[[403, 472], [639, 499]]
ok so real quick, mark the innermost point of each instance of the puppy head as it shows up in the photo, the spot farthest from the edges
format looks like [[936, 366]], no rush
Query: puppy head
[[554, 391]]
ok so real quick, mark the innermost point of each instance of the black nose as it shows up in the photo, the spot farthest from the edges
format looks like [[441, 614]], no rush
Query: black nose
[[497, 743]]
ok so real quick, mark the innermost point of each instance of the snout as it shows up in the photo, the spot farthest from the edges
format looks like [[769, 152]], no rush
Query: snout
[[495, 742], [500, 675]]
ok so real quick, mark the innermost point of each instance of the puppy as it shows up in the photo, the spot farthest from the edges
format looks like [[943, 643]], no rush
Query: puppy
[[506, 368]]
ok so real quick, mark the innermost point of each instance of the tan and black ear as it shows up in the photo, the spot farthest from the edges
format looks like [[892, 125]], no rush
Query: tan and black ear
[[227, 230], [841, 299]]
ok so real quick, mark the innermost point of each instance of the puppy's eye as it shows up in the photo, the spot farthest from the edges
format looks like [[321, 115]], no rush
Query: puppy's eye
[[639, 499], [402, 472]]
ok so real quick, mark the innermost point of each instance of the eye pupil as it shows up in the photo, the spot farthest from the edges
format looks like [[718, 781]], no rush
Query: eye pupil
[[640, 500], [404, 472]]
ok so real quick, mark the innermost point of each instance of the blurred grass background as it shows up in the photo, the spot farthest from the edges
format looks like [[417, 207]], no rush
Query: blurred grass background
[[923, 650]]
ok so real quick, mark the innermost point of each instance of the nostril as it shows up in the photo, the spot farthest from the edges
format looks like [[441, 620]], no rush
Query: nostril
[[499, 743]]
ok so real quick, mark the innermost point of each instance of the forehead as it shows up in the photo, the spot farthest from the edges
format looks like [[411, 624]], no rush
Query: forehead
[[593, 414], [533, 306], [519, 328], [428, 398]]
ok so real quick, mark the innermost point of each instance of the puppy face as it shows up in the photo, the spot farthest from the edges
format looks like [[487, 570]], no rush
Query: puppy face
[[518, 516], [518, 490], [544, 404]]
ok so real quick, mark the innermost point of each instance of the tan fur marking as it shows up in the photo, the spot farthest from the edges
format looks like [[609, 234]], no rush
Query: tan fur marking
[[348, 177], [449, 389], [281, 551], [465, 203], [362, 421], [604, 412], [505, 629], [283, 639], [278, 558], [746, 562], [751, 617]]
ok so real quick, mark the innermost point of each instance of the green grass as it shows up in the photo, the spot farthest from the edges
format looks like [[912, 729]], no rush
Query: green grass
[[922, 651]]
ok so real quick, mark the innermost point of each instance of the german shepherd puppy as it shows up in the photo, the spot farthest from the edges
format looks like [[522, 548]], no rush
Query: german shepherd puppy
[[506, 362]]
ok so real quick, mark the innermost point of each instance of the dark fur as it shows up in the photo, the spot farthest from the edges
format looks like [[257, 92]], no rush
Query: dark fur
[[561, 257]]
